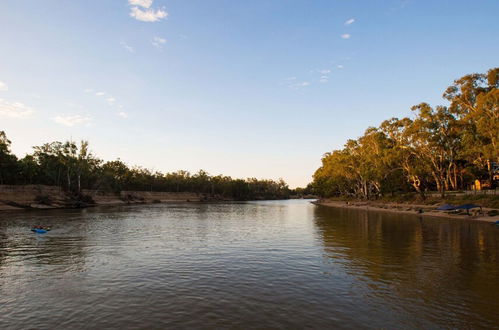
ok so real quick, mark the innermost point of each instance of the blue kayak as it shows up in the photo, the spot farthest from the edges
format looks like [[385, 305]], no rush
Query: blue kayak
[[39, 231]]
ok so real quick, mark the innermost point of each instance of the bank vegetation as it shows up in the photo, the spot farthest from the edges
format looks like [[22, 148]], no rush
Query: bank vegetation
[[451, 147], [73, 167]]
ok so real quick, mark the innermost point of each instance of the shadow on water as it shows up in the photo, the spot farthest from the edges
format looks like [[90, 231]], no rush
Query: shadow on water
[[446, 271]]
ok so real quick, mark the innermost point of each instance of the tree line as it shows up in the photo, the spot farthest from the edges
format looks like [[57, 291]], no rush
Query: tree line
[[442, 148], [73, 167]]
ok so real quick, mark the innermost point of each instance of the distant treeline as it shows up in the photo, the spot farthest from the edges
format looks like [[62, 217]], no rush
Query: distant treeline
[[442, 148], [73, 167]]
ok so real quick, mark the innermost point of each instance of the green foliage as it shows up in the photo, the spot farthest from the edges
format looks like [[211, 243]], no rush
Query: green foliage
[[74, 167], [9, 166], [442, 148]]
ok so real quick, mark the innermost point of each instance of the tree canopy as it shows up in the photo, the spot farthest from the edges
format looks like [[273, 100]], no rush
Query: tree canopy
[[441, 148], [74, 167]]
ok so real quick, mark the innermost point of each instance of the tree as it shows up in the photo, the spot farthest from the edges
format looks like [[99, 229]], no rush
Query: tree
[[8, 161], [474, 99]]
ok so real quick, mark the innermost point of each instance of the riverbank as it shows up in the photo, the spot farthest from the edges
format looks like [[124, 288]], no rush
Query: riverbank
[[414, 209], [25, 197]]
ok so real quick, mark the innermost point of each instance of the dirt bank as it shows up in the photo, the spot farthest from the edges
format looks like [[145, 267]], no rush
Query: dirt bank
[[14, 197], [415, 209]]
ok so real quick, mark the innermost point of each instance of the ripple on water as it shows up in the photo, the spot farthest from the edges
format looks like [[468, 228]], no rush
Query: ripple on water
[[281, 264]]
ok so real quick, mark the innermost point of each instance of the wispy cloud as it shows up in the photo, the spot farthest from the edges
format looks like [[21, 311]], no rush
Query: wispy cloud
[[158, 42], [148, 14], [339, 66], [127, 46], [123, 114], [111, 100], [299, 85], [15, 110], [346, 36], [71, 120], [293, 83], [3, 87], [141, 3], [350, 21], [324, 78]]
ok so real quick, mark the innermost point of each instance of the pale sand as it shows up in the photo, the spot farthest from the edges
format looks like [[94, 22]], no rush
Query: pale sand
[[428, 211]]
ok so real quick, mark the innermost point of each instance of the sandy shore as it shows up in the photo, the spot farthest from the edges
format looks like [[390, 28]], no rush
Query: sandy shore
[[414, 209]]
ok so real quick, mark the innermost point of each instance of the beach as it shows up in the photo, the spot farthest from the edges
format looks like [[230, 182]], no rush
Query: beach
[[421, 210]]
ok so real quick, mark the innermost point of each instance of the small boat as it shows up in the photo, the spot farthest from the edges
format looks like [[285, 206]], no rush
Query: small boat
[[446, 207], [40, 229]]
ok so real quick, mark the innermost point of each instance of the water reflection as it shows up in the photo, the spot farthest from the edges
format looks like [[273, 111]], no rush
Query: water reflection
[[20, 248], [279, 264], [444, 270]]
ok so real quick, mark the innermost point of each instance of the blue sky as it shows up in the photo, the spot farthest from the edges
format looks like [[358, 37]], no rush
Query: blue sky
[[257, 88]]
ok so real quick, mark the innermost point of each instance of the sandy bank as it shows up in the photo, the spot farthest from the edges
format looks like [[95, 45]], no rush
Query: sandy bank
[[414, 209], [14, 197]]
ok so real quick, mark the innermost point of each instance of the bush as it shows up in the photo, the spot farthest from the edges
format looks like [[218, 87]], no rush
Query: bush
[[493, 213], [43, 199]]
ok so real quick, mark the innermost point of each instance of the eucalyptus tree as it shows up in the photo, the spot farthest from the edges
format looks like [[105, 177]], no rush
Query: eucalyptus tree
[[405, 154], [474, 99], [51, 167], [8, 161], [435, 136]]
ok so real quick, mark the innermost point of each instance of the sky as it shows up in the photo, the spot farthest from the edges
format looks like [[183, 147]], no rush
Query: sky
[[259, 88]]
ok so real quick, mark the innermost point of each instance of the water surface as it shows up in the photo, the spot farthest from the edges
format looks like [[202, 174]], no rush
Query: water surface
[[279, 264]]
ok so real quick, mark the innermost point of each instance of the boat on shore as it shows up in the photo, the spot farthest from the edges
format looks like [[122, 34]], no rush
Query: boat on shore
[[40, 229]]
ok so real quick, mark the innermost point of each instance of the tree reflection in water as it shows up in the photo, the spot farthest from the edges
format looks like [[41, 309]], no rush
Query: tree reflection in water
[[448, 269]]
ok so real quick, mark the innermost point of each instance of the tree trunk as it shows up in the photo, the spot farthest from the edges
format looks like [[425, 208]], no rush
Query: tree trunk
[[69, 179], [489, 171]]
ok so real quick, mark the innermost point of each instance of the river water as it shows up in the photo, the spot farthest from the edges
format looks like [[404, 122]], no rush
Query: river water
[[278, 264]]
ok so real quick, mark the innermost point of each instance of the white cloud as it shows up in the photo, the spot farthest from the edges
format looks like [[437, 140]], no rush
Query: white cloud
[[3, 87], [141, 3], [148, 15], [158, 41], [127, 46], [339, 66], [15, 110], [123, 114], [346, 36], [88, 90], [299, 85], [325, 71], [350, 21], [71, 120], [110, 100]]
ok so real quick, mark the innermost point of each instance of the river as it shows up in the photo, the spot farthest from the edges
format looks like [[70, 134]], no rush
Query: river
[[275, 264]]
